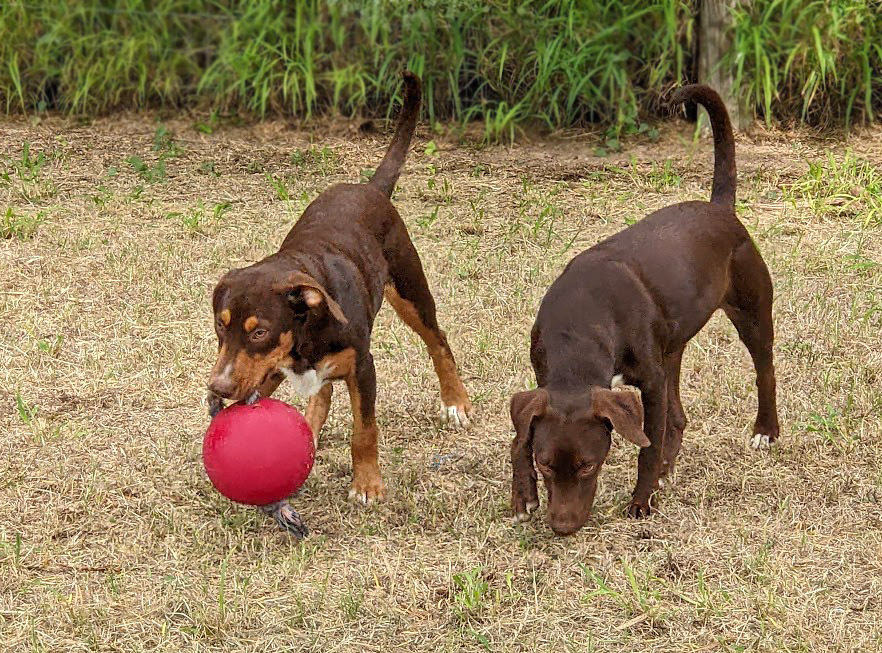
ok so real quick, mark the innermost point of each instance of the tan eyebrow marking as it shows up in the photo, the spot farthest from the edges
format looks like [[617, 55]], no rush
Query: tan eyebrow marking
[[225, 316], [250, 324]]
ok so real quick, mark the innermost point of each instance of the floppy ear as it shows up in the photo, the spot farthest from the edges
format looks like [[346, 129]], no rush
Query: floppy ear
[[302, 289], [525, 407], [624, 410]]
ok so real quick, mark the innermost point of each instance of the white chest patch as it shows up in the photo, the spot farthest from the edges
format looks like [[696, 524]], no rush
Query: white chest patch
[[309, 382]]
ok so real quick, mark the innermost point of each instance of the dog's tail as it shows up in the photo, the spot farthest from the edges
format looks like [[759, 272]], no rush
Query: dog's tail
[[390, 167], [724, 143]]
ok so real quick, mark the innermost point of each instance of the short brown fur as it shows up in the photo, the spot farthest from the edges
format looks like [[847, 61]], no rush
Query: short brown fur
[[627, 307], [324, 288]]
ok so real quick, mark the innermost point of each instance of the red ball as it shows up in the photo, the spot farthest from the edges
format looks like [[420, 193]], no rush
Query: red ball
[[258, 453]]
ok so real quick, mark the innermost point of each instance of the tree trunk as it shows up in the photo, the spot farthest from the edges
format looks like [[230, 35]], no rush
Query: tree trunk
[[716, 36]]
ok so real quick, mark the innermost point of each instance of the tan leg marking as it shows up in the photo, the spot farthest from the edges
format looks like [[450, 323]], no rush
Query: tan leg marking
[[367, 482], [317, 411], [339, 365], [453, 392]]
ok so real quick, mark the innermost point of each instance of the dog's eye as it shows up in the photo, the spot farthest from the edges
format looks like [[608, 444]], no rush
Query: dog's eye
[[219, 325], [259, 334], [587, 469]]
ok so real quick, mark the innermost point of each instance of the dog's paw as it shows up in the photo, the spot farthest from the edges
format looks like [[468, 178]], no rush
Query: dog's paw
[[458, 417], [367, 488], [215, 404], [760, 441], [287, 518], [638, 509], [526, 513]]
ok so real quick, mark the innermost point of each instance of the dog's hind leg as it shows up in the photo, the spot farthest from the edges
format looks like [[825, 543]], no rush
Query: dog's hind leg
[[409, 295], [749, 306]]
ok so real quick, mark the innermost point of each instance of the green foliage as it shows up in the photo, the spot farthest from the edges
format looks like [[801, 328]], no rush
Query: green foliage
[[816, 60], [20, 226], [503, 63]]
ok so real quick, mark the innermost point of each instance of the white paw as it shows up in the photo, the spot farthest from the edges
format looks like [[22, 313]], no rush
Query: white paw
[[525, 516], [760, 441], [454, 417], [358, 497], [617, 381]]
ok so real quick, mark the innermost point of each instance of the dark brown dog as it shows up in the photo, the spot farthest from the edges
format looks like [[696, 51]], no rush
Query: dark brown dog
[[623, 311], [306, 312]]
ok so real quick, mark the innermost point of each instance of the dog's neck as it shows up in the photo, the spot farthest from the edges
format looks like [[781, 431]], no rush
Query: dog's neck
[[591, 364]]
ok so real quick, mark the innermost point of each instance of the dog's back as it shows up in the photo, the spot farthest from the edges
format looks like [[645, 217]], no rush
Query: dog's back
[[681, 252]]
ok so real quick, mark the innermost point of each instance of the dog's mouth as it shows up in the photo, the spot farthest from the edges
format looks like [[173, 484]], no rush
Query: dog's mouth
[[217, 402]]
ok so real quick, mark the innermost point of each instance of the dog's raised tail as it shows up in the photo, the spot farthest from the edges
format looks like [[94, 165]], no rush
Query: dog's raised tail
[[390, 167], [724, 142]]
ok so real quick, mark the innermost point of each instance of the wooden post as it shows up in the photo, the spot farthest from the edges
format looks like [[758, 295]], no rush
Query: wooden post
[[716, 36]]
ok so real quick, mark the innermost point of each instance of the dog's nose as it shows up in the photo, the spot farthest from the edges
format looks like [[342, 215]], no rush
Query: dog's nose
[[564, 529], [221, 387]]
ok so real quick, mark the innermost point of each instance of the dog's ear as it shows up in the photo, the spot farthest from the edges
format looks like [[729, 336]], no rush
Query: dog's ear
[[624, 410], [306, 293], [525, 407]]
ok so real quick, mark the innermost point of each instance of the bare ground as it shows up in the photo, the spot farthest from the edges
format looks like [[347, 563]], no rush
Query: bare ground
[[111, 537]]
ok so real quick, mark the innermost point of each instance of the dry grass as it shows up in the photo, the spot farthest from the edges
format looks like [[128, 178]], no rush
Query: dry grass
[[111, 538]]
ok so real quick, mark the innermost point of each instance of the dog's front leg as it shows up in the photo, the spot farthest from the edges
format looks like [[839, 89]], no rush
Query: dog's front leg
[[524, 494], [367, 483], [649, 462]]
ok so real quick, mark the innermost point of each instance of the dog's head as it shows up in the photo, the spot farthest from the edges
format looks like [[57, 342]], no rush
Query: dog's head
[[570, 436], [262, 319]]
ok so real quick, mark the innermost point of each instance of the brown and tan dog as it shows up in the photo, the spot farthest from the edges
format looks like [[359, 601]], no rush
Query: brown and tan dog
[[622, 312], [307, 311]]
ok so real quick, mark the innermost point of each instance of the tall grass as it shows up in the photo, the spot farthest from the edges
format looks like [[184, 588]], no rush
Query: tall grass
[[818, 61], [502, 62]]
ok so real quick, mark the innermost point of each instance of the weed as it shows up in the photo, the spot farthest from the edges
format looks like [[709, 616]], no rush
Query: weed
[[197, 218], [52, 348], [841, 187], [27, 413], [209, 168], [279, 186], [150, 173], [20, 226], [351, 603], [470, 592], [426, 221], [322, 161]]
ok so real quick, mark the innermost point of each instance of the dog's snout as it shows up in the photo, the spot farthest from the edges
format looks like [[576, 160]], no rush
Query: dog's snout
[[222, 387], [564, 528]]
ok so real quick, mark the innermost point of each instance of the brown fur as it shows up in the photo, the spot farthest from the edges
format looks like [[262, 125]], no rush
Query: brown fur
[[628, 306], [323, 288]]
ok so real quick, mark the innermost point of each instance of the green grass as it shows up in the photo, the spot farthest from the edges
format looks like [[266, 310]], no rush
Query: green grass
[[19, 225], [502, 63], [810, 60]]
